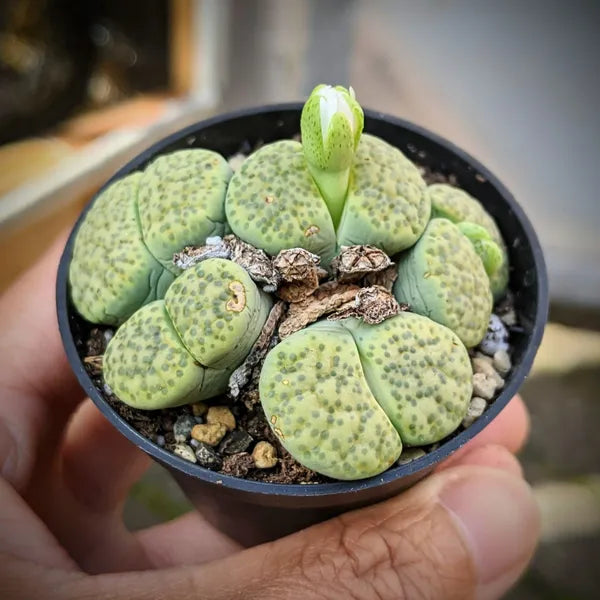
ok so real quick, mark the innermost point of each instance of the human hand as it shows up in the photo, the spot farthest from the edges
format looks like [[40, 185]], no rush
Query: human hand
[[467, 531]]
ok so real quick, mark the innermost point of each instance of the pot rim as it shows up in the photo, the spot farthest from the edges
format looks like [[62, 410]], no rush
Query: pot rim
[[517, 376]]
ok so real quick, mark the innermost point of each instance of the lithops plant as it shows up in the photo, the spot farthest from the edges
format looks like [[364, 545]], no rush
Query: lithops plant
[[184, 348], [337, 188], [457, 205], [122, 255], [443, 278], [344, 396]]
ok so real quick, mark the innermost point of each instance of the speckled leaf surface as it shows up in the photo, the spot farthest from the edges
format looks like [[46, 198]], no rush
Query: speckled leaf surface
[[181, 201], [146, 364], [273, 203], [420, 373], [386, 205], [457, 205], [184, 348], [443, 278], [318, 403], [111, 272], [218, 312]]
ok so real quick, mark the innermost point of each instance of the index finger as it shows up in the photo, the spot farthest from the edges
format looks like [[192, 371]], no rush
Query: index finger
[[38, 390]]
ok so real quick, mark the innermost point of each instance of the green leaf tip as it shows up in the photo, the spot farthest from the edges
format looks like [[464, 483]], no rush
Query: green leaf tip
[[490, 253]]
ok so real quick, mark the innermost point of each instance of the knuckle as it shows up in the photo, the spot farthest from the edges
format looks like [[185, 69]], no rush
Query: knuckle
[[404, 556]]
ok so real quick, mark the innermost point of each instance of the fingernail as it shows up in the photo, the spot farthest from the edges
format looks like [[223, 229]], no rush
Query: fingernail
[[499, 520]]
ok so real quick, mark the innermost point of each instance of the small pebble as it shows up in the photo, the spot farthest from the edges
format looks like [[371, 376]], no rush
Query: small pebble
[[502, 362], [484, 365], [496, 337], [235, 442], [509, 318], [182, 428], [160, 440], [221, 414], [199, 409], [184, 451], [211, 433], [108, 334], [476, 408], [107, 389], [410, 454], [264, 455], [483, 386], [208, 458]]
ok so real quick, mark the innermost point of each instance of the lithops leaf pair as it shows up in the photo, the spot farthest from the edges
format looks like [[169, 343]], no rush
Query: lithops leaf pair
[[458, 206], [343, 396], [122, 254], [184, 348], [443, 278], [337, 188]]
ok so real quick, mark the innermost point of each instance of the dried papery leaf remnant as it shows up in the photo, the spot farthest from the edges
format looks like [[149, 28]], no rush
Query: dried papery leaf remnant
[[372, 304], [256, 262], [299, 269], [215, 247], [326, 299], [354, 262], [385, 278], [94, 363], [241, 376]]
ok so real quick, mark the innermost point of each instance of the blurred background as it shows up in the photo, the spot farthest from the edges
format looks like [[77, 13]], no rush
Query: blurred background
[[84, 86]]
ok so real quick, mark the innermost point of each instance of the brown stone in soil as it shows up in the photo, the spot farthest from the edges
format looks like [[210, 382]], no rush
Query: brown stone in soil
[[210, 433], [264, 455], [222, 415]]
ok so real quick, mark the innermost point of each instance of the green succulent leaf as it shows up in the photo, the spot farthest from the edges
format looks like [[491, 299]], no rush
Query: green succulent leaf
[[218, 312], [124, 246], [112, 273], [443, 278], [386, 205], [147, 366], [273, 203], [457, 205], [184, 348], [317, 400], [181, 201], [490, 253], [343, 396], [420, 373]]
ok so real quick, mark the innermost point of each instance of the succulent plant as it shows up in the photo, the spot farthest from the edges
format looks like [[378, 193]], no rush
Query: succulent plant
[[184, 348], [343, 396], [337, 188], [443, 278], [457, 205], [122, 255]]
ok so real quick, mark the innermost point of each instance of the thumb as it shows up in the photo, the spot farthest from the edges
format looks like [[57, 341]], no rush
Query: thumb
[[465, 532]]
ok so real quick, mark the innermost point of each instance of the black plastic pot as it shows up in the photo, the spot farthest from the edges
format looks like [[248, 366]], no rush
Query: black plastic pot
[[251, 511]]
